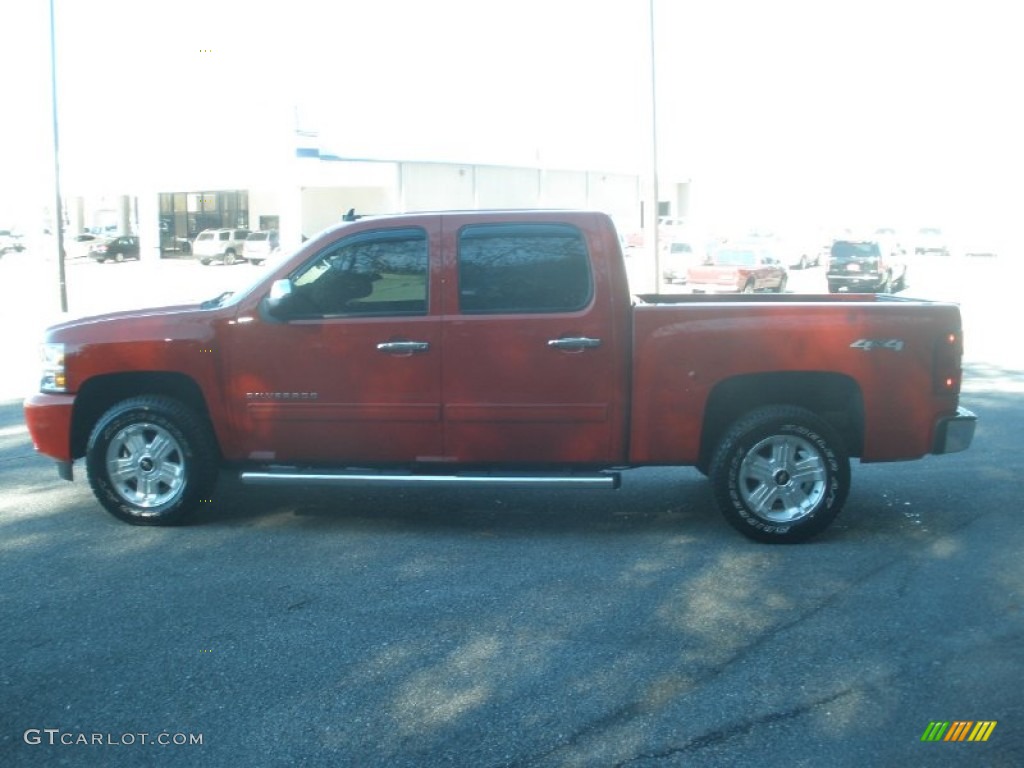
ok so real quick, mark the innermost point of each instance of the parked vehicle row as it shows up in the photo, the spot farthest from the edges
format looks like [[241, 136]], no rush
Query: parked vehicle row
[[10, 241], [227, 245], [231, 245]]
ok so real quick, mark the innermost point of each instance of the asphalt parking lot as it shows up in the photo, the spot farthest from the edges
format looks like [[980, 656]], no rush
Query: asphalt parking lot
[[469, 628]]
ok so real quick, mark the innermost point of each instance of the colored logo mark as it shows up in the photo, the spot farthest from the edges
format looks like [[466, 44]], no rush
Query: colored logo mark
[[958, 730]]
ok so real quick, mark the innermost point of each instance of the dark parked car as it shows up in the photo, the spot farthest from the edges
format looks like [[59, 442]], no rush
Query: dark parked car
[[866, 266], [117, 249]]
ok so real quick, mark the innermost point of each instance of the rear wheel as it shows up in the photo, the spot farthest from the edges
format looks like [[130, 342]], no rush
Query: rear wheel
[[749, 287], [151, 461], [204, 262], [229, 257], [780, 474], [118, 257]]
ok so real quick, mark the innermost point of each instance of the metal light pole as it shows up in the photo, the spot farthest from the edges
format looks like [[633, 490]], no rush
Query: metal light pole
[[58, 208], [653, 215]]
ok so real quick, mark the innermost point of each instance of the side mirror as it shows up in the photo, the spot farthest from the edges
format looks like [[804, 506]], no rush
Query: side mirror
[[277, 299]]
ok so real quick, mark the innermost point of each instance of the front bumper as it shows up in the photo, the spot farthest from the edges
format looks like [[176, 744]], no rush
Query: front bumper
[[48, 418], [955, 433]]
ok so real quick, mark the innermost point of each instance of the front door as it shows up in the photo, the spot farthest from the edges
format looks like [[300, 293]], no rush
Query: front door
[[532, 364], [351, 373]]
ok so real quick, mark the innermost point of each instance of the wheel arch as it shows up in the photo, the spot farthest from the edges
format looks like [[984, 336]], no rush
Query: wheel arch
[[99, 393], [833, 397]]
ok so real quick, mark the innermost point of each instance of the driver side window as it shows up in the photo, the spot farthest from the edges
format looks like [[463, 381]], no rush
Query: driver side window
[[372, 273]]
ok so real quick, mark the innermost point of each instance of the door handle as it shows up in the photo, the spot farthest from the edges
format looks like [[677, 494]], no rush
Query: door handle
[[575, 343], [403, 347]]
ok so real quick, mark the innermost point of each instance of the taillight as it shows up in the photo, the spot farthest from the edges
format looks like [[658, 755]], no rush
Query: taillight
[[948, 374]]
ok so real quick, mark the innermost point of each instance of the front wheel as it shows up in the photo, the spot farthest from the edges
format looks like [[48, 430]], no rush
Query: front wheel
[[229, 258], [780, 474], [151, 461]]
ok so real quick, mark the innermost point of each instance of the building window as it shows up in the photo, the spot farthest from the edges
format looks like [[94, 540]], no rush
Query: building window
[[183, 215]]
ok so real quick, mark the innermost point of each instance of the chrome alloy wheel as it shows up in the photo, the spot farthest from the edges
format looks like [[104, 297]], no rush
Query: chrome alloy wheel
[[146, 465], [782, 479]]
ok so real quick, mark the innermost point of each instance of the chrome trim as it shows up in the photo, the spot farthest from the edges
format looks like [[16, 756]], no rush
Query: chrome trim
[[403, 346], [955, 433], [574, 342], [609, 480]]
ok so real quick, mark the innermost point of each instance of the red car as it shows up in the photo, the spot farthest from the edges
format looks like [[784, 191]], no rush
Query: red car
[[738, 269], [501, 349]]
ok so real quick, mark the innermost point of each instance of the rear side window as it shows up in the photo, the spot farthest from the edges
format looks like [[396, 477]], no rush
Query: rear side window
[[224, 236], [535, 268]]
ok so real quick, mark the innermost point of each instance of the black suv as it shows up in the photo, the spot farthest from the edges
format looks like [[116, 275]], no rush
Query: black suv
[[866, 266]]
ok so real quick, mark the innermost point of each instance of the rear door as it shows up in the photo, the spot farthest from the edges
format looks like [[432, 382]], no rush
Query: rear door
[[533, 362]]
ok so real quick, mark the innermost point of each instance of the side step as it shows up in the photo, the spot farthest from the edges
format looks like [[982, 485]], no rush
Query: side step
[[292, 476]]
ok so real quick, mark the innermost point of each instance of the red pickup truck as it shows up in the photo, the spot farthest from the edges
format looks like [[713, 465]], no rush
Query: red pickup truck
[[498, 348]]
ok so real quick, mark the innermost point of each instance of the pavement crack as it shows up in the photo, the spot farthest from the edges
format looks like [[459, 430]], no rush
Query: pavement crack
[[723, 735]]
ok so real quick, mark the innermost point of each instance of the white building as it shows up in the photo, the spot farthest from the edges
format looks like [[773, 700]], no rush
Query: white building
[[242, 178]]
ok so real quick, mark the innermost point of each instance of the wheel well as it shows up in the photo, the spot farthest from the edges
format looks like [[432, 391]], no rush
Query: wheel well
[[98, 394], [832, 396]]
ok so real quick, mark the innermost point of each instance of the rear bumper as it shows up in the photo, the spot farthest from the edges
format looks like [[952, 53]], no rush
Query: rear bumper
[[856, 283], [955, 433]]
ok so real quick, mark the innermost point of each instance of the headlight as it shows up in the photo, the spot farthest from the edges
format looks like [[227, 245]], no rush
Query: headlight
[[53, 376]]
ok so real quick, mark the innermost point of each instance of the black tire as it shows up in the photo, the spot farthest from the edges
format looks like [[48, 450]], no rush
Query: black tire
[[780, 474], [168, 455], [205, 262], [118, 257], [229, 257]]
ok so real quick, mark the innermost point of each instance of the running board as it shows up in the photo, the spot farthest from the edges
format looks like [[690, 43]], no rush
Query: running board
[[609, 480]]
